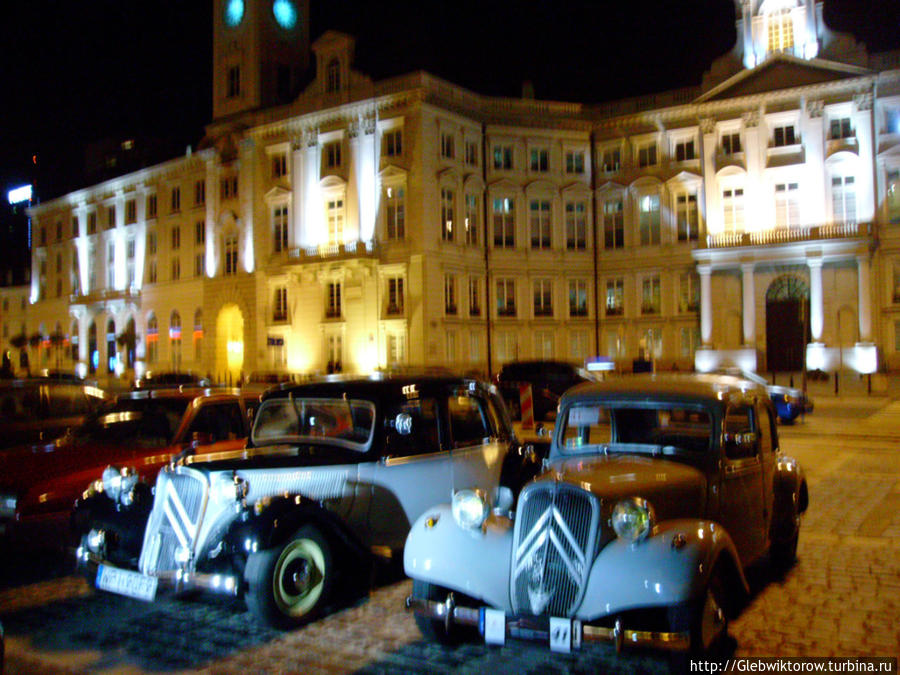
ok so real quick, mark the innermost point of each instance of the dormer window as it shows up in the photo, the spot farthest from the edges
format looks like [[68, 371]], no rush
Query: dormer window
[[333, 76], [780, 30]]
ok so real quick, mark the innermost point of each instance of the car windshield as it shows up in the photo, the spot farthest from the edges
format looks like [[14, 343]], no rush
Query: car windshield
[[348, 423], [653, 427]]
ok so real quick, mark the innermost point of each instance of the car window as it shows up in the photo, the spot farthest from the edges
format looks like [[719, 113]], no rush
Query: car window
[[65, 401], [469, 423], [332, 420], [766, 430], [412, 428], [220, 421], [740, 432]]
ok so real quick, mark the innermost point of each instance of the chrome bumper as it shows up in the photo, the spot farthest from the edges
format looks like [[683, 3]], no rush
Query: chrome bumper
[[178, 581], [537, 628]]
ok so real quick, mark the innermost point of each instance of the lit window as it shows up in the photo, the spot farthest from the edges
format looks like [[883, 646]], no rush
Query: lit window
[[843, 199], [539, 221], [649, 220], [543, 298], [450, 308], [576, 226], [506, 297], [615, 297], [335, 211], [787, 205], [650, 295], [395, 213], [733, 210], [395, 298], [613, 224], [686, 217], [780, 26], [611, 160], [689, 292], [280, 229], [473, 220], [447, 199], [578, 302], [504, 223], [503, 157], [893, 196]]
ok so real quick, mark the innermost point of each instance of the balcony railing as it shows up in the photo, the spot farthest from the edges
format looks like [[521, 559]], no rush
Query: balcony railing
[[785, 235], [352, 249]]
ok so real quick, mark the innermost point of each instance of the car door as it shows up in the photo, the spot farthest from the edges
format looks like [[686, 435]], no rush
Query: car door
[[742, 504], [476, 453], [413, 472]]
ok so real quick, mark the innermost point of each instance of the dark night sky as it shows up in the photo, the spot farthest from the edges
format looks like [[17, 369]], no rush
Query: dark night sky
[[75, 72]]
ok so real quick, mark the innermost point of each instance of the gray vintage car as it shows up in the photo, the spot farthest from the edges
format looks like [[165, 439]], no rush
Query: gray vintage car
[[659, 491], [332, 477]]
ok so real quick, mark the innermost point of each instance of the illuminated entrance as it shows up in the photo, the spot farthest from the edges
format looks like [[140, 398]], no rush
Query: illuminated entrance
[[229, 344], [787, 324]]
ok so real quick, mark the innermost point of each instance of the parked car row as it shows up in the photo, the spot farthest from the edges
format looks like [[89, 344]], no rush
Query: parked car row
[[637, 528]]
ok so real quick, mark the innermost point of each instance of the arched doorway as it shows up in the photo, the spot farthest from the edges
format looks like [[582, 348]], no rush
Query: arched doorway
[[787, 324], [230, 343]]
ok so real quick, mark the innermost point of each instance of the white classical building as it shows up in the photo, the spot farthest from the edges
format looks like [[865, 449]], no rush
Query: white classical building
[[754, 219]]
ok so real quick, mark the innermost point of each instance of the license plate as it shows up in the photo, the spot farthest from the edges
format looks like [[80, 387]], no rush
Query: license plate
[[565, 635], [126, 582]]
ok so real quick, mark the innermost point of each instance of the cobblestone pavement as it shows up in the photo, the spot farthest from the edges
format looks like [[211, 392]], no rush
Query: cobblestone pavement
[[842, 599]]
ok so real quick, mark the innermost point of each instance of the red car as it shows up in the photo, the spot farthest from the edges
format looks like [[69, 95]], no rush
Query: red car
[[139, 431]]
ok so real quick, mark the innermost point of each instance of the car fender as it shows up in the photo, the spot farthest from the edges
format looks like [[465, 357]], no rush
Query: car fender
[[671, 566], [473, 563], [791, 498]]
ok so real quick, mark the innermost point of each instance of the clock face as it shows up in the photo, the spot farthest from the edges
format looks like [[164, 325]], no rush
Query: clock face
[[234, 12], [285, 13]]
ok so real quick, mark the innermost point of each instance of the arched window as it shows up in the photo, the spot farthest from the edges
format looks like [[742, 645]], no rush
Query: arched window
[[175, 339], [111, 356], [152, 339]]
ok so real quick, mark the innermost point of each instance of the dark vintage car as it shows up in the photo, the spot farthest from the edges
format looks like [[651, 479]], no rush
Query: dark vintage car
[[138, 433], [332, 476], [658, 493], [39, 410], [158, 380], [548, 381], [789, 402]]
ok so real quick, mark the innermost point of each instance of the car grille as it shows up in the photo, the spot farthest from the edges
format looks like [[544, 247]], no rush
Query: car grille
[[555, 539], [175, 520]]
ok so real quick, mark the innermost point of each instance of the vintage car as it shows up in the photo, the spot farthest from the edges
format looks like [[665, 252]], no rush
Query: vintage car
[[548, 381], [658, 493], [332, 476], [789, 402], [39, 410], [139, 432]]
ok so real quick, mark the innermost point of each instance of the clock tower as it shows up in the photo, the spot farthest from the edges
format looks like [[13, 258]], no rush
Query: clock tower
[[260, 53]]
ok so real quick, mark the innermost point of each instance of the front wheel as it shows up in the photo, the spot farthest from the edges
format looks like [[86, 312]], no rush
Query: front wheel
[[705, 618], [288, 585], [435, 629]]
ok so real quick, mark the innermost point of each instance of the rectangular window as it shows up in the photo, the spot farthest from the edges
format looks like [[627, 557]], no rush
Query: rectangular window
[[787, 205], [615, 297], [474, 296], [575, 161], [780, 30], [450, 351], [151, 206], [784, 135], [395, 213], [473, 220], [130, 212], [690, 341], [474, 347], [688, 292], [612, 160], [503, 157], [151, 272], [576, 226], [447, 199], [686, 217], [650, 295], [334, 348], [229, 187], [280, 306], [231, 255], [896, 297], [395, 301], [539, 221], [335, 211], [731, 143], [504, 223], [733, 210], [233, 89], [175, 200], [540, 160], [649, 220], [448, 146], [392, 143], [840, 128], [280, 228], [647, 155], [613, 224], [111, 216], [92, 222], [897, 336], [75, 227], [396, 349], [543, 298], [200, 233], [332, 152], [176, 268], [578, 300], [651, 342], [893, 196], [110, 266], [543, 344], [506, 297], [684, 151], [843, 199], [450, 308], [199, 266], [279, 165], [176, 238], [199, 193], [151, 243], [471, 153], [333, 300]]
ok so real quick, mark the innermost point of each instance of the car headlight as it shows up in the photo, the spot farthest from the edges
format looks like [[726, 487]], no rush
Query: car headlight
[[231, 488], [633, 519], [118, 484], [470, 509], [8, 504]]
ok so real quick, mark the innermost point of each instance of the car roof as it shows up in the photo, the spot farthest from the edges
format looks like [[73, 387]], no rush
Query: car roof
[[185, 392], [373, 387], [697, 387]]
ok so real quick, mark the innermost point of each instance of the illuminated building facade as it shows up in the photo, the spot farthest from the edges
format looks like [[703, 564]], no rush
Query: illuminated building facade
[[752, 220]]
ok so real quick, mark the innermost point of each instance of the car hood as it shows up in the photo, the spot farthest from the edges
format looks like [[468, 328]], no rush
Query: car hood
[[674, 489]]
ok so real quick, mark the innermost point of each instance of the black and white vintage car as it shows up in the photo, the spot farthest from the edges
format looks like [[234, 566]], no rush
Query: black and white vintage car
[[333, 474], [658, 493]]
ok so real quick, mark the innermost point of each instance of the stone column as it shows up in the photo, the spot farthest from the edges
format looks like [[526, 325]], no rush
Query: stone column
[[816, 304], [865, 300], [749, 310], [705, 305]]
